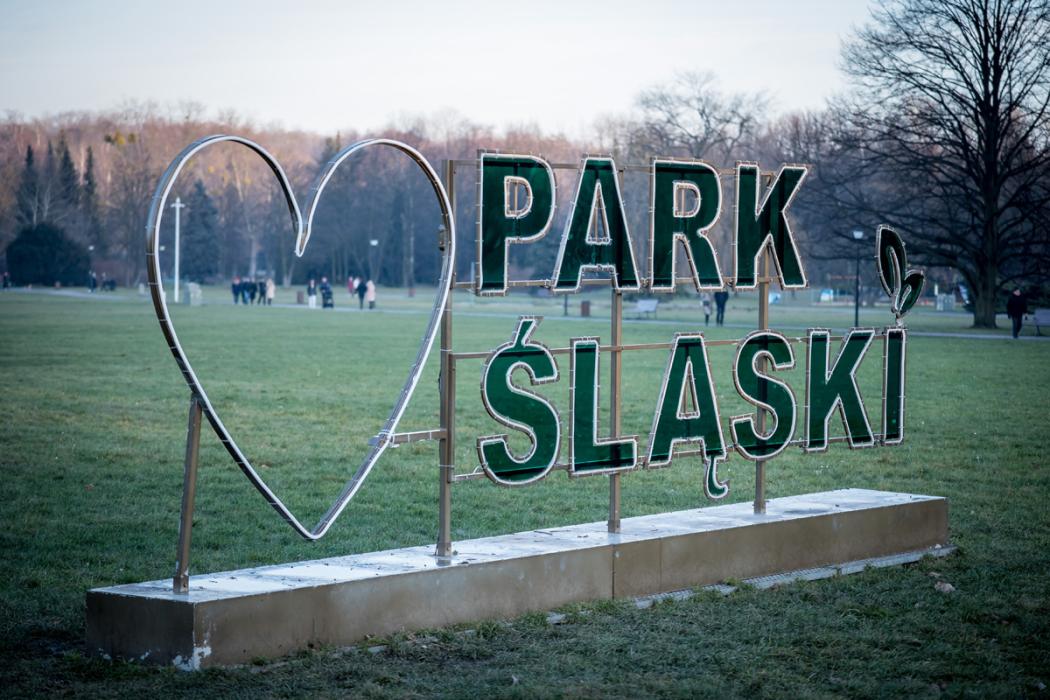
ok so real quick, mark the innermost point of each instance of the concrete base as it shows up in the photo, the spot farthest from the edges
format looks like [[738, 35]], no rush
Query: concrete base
[[271, 611]]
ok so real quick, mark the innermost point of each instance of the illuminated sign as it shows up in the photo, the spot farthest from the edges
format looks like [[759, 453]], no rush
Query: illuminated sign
[[596, 239], [516, 206]]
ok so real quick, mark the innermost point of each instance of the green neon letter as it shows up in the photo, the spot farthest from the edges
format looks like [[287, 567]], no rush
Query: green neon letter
[[583, 245], [893, 386], [520, 409], [757, 227], [827, 389], [589, 454], [517, 206], [765, 392], [687, 412], [672, 222]]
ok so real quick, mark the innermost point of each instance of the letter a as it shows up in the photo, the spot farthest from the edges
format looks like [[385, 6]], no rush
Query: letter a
[[582, 247]]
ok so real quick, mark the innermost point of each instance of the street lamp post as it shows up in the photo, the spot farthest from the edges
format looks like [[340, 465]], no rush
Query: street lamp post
[[177, 206], [373, 243], [858, 236]]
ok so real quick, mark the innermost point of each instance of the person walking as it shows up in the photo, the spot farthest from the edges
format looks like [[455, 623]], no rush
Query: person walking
[[327, 300], [235, 287], [271, 291], [705, 301], [362, 289], [311, 294], [370, 294], [1016, 308], [721, 298]]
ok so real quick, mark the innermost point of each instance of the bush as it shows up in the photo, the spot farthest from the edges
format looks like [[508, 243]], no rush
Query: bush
[[44, 254]]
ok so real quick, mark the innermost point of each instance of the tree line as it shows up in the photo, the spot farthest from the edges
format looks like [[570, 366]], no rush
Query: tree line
[[944, 133]]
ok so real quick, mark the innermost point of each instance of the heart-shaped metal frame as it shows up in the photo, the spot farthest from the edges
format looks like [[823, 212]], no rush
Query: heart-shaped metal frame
[[383, 439]]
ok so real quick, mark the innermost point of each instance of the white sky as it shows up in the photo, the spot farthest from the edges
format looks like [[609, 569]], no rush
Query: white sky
[[325, 65]]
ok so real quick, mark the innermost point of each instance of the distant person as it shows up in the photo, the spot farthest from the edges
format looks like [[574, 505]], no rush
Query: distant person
[[7, 280], [271, 291], [370, 294], [1016, 308], [92, 282], [252, 289], [351, 285], [705, 302], [721, 299], [327, 300], [235, 287], [362, 289], [311, 294]]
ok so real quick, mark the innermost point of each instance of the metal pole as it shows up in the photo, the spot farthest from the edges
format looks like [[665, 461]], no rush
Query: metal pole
[[760, 418], [616, 374], [177, 206], [447, 390], [181, 581], [856, 292]]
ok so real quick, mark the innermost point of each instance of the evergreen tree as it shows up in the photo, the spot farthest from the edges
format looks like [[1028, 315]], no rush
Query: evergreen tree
[[200, 236], [44, 254], [68, 181], [89, 206], [28, 197], [46, 189]]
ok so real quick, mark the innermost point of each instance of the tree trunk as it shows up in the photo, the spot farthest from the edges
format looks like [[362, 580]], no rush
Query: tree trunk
[[984, 303]]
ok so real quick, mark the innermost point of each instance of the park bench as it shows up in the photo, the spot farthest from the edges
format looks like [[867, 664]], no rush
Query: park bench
[[1040, 317], [645, 307]]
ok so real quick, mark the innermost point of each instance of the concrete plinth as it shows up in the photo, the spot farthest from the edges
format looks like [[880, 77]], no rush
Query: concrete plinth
[[233, 617]]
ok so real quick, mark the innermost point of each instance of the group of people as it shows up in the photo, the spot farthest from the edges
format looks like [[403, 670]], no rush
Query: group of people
[[364, 289], [720, 299], [249, 291], [108, 285]]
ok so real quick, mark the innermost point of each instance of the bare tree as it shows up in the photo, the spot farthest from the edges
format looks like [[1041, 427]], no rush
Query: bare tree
[[950, 118], [691, 117], [134, 177]]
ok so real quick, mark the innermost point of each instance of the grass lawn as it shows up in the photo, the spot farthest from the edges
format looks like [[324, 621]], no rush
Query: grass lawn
[[91, 458]]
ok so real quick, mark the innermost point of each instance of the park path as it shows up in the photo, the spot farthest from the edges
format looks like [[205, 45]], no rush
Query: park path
[[107, 296]]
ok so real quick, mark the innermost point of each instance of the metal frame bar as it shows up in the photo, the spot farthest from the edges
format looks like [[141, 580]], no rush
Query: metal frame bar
[[643, 463], [621, 169], [760, 414], [447, 391], [181, 580]]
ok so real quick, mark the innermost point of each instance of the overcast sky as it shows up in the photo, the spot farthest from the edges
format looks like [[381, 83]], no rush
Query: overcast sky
[[328, 65]]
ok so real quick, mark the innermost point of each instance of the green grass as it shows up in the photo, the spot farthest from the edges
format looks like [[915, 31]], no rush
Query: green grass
[[91, 459]]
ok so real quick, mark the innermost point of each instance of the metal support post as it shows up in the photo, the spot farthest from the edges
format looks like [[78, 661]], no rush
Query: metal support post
[[615, 371], [760, 418], [181, 581], [447, 391]]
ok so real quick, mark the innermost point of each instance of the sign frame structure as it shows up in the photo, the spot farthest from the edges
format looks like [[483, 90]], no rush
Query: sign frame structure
[[534, 177]]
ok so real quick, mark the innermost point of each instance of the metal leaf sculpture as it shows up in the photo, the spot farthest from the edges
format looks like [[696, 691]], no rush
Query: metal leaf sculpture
[[904, 289]]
